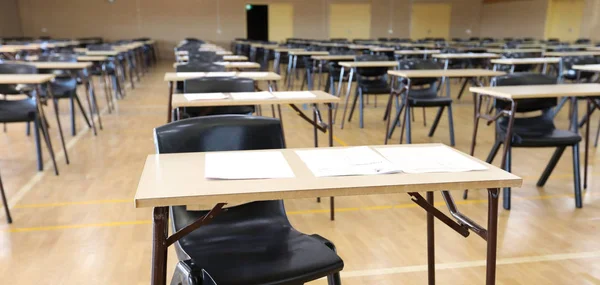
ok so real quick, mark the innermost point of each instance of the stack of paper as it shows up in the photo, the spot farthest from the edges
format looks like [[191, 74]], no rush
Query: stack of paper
[[346, 161], [204, 96], [294, 94], [247, 165], [252, 95], [220, 74], [429, 159]]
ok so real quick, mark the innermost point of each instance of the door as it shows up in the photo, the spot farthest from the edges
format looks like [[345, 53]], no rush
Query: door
[[257, 22], [281, 22], [350, 21], [430, 20], [563, 19]]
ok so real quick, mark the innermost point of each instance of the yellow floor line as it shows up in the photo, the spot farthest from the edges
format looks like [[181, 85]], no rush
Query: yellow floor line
[[468, 264], [61, 204], [78, 226]]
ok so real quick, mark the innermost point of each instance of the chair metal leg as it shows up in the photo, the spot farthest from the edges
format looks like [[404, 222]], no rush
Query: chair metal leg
[[408, 123], [46, 135], [462, 88], [577, 176], [38, 143], [507, 167], [451, 125], [550, 167], [58, 125], [436, 121], [85, 117], [73, 121], [361, 108], [5, 203], [353, 106], [27, 130], [493, 151], [562, 103], [597, 135]]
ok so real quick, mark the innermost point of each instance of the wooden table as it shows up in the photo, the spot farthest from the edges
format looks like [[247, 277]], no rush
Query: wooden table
[[352, 65], [324, 58], [293, 63], [472, 76], [239, 65], [178, 179], [172, 77], [515, 50], [424, 53], [512, 93], [39, 80], [520, 61]]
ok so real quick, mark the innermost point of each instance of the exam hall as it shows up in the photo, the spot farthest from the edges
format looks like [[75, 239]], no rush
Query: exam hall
[[286, 142]]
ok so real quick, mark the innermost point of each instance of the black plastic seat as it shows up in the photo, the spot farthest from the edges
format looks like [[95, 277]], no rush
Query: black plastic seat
[[535, 132], [196, 66], [218, 84], [423, 92], [252, 243]]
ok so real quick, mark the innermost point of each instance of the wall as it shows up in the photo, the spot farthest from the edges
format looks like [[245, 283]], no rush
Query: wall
[[170, 21], [10, 24], [514, 19], [591, 20]]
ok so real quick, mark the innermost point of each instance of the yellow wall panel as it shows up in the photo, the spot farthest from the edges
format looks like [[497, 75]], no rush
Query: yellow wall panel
[[564, 18], [351, 21], [430, 20], [281, 21]]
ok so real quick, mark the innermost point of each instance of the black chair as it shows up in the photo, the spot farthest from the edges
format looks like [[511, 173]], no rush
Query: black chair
[[372, 80], [218, 84], [5, 203], [64, 86], [423, 92], [113, 68], [253, 243], [535, 132], [204, 56], [334, 70], [26, 110]]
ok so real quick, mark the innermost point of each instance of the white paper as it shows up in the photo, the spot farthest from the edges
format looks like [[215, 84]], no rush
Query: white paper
[[429, 159], [190, 74], [360, 160], [294, 94], [253, 74], [220, 74], [204, 96], [247, 165], [252, 95]]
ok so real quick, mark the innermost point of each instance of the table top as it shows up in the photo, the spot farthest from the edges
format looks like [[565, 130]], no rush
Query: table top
[[359, 47], [179, 100], [307, 52], [60, 65], [92, 58], [587, 67], [593, 48], [572, 53], [465, 55], [178, 179], [333, 57], [235, 58], [576, 46], [515, 50], [417, 52], [102, 52], [239, 64], [25, 78], [24, 47], [382, 49], [368, 63], [257, 76], [540, 91], [434, 73], [531, 46], [533, 60], [280, 49], [8, 49]]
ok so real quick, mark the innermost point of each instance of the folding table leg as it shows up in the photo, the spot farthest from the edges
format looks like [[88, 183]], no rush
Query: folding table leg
[[492, 236], [5, 203], [430, 242], [159, 245]]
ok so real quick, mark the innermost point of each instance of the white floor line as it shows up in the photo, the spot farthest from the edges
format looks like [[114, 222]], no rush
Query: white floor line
[[468, 264], [16, 198]]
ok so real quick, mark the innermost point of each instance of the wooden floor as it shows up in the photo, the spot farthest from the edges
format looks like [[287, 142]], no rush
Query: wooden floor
[[81, 227]]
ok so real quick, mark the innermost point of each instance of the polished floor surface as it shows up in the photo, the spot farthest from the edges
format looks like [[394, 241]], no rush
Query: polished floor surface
[[81, 227]]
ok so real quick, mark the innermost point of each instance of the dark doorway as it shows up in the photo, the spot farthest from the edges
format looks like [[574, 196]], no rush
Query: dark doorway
[[257, 22]]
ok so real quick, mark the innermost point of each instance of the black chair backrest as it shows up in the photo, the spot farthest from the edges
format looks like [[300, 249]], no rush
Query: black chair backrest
[[14, 68], [571, 74], [527, 105], [58, 57], [200, 67], [204, 56], [218, 84], [420, 64], [372, 71], [100, 47]]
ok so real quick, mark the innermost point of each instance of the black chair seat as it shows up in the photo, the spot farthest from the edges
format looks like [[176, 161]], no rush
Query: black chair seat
[[12, 111], [63, 87], [417, 101], [555, 138], [374, 87], [264, 249], [211, 111]]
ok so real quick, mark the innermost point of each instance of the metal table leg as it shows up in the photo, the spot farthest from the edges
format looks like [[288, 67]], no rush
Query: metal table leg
[[170, 110]]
